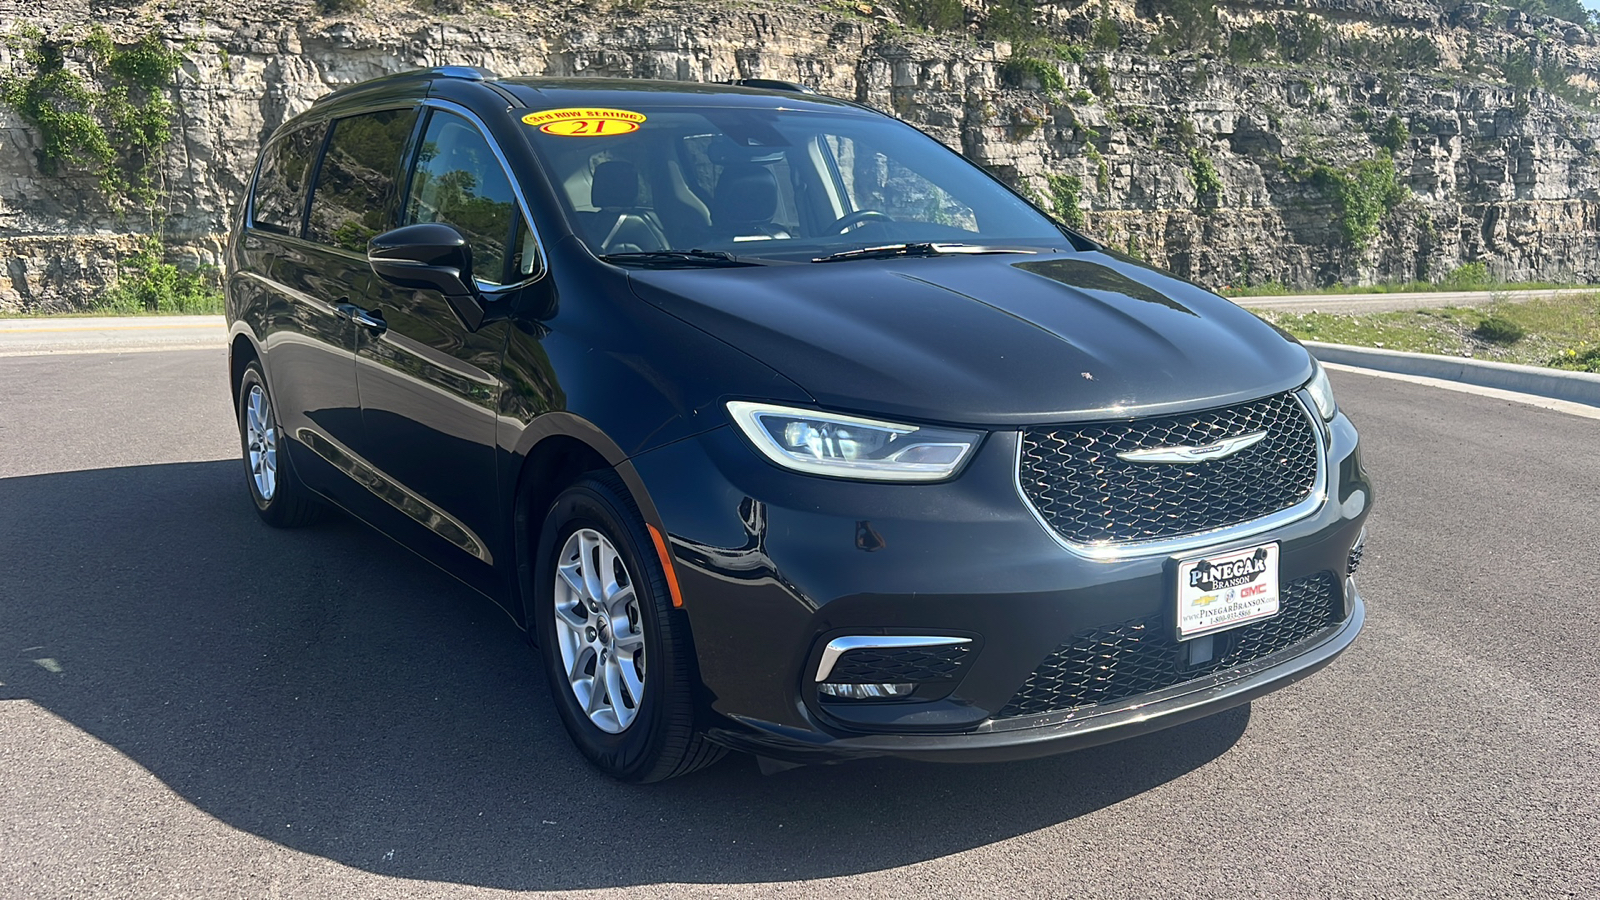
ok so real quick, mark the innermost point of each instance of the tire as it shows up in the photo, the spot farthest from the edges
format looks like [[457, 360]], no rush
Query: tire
[[641, 727], [279, 497]]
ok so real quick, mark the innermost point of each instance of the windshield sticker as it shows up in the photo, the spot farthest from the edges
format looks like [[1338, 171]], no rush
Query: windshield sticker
[[585, 122]]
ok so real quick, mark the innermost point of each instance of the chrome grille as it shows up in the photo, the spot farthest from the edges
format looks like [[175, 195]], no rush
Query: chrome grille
[[1113, 662], [1073, 477]]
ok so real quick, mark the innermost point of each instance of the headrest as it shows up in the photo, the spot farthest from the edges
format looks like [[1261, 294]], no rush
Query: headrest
[[616, 184], [746, 193]]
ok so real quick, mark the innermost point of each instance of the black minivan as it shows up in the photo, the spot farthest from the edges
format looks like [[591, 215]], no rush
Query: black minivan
[[779, 426]]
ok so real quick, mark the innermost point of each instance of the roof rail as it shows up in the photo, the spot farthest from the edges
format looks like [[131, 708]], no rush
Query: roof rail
[[466, 73], [470, 73], [771, 84]]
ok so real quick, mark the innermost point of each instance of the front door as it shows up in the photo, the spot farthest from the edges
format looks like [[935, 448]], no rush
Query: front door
[[429, 387]]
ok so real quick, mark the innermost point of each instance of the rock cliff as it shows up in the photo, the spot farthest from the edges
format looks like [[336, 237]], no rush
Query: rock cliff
[[1307, 143]]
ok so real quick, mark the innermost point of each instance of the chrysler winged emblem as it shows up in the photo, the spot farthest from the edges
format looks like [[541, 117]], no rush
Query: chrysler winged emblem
[[1224, 447]]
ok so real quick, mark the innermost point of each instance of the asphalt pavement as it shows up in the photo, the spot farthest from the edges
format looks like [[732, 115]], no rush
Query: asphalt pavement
[[193, 705]]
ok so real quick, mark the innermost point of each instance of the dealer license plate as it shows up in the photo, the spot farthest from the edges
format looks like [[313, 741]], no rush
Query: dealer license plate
[[1225, 591]]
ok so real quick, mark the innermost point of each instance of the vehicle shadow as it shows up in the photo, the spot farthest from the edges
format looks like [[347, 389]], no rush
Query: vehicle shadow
[[327, 690]]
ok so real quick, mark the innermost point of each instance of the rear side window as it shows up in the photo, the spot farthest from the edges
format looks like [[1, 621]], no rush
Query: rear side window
[[357, 180], [459, 181], [279, 202]]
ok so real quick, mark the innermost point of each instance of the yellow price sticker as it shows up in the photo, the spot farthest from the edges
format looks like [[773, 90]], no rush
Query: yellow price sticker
[[585, 121]]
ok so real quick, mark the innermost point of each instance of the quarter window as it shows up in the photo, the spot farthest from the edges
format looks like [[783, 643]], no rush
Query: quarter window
[[355, 185], [279, 202], [459, 181]]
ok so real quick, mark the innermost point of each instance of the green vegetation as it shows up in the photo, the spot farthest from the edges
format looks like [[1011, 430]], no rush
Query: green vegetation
[[1064, 193], [1470, 277], [1203, 173], [101, 108], [1364, 193], [1498, 329], [112, 124], [147, 284], [1102, 172], [1100, 82], [1011, 20], [1563, 332], [1395, 135], [1188, 25], [933, 15], [1254, 44], [1104, 34], [337, 7], [1019, 69]]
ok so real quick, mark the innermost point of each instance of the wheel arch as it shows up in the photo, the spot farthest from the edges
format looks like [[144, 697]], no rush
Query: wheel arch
[[241, 352], [556, 451]]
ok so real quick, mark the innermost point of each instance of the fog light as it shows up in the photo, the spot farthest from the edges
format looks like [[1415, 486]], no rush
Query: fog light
[[865, 691], [1355, 553]]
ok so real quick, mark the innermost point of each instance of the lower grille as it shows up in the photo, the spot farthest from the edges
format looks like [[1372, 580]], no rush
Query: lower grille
[[1107, 664], [908, 664]]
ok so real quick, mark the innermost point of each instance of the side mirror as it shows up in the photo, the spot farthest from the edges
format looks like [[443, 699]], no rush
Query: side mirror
[[431, 256]]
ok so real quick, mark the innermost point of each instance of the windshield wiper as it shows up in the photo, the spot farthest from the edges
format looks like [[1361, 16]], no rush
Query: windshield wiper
[[920, 248], [673, 258]]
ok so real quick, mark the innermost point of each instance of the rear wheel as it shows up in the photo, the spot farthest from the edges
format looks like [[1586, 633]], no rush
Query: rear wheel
[[280, 498], [617, 655]]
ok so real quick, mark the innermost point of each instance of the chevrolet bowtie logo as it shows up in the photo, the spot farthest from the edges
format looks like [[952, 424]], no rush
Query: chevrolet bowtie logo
[[1224, 447]]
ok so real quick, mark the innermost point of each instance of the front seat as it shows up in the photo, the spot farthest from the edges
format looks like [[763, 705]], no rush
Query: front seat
[[621, 225], [745, 202]]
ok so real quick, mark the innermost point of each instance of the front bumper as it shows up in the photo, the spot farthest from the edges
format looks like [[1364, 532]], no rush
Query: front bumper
[[773, 565]]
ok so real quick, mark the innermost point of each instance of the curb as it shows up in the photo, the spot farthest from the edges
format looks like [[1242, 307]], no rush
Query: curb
[[1557, 384]]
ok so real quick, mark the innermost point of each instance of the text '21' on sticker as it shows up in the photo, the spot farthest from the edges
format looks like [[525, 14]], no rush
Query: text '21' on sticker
[[585, 122]]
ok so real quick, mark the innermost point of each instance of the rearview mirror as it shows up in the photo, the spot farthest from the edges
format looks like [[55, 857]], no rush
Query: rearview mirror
[[431, 256]]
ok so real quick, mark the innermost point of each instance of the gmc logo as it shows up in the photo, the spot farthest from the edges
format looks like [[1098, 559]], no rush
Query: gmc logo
[[1254, 590]]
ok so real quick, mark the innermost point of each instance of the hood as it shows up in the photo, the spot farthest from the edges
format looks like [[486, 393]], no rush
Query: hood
[[988, 340]]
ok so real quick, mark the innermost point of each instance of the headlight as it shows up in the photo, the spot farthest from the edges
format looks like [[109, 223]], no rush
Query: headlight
[[1322, 393], [848, 447]]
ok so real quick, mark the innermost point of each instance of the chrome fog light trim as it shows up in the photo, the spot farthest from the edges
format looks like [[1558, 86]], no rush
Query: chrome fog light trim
[[840, 646]]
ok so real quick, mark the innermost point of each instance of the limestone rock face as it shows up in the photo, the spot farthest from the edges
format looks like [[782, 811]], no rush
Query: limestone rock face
[[1504, 175]]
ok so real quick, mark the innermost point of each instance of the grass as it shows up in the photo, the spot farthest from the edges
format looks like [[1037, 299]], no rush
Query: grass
[[1562, 332]]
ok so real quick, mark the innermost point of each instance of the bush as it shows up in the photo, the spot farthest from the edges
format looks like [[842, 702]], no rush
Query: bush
[[1019, 69], [1467, 277], [1577, 360], [933, 15], [147, 284], [1104, 35], [1499, 330], [1203, 173], [1364, 192], [1395, 134], [1064, 193], [1100, 82]]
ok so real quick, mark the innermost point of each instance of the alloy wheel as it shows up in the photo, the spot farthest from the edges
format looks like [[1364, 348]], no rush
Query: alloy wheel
[[599, 630], [261, 442]]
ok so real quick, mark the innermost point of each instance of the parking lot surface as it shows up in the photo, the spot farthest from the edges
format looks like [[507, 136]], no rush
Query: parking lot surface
[[195, 705]]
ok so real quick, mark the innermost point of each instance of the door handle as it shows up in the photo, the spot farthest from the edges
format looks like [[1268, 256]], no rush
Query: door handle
[[356, 314]]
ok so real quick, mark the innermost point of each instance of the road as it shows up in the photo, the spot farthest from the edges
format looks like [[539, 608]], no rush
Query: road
[[1365, 303], [102, 334], [195, 706]]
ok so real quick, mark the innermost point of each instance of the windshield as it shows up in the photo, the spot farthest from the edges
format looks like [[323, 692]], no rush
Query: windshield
[[768, 183]]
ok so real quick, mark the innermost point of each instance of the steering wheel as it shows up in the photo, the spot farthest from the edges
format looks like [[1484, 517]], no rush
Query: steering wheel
[[850, 220]]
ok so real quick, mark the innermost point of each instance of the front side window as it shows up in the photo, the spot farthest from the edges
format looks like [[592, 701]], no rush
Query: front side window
[[279, 202], [356, 183], [459, 181]]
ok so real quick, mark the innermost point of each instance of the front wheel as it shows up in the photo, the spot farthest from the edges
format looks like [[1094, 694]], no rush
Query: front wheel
[[617, 655]]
